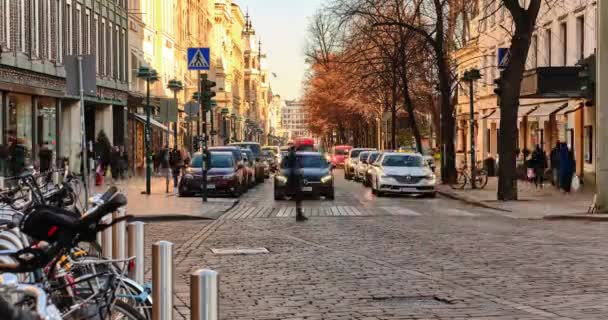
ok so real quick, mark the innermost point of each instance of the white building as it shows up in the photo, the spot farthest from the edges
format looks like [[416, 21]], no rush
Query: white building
[[565, 34], [294, 119]]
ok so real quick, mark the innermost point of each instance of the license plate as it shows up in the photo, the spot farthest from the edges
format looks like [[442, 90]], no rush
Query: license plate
[[210, 186], [307, 189], [408, 189]]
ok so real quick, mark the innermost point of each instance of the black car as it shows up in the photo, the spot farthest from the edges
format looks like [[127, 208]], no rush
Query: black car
[[317, 176], [224, 175]]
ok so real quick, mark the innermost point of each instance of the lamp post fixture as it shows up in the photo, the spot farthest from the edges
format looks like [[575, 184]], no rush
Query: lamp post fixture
[[233, 118], [149, 75], [225, 130], [175, 86], [471, 76]]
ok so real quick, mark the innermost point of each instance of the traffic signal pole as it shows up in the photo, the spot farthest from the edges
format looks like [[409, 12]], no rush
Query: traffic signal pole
[[203, 106]]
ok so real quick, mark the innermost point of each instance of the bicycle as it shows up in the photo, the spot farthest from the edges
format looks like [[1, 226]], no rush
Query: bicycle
[[464, 177]]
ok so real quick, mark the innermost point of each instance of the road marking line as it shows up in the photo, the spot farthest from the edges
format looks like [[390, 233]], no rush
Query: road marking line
[[334, 211], [460, 213], [356, 211], [281, 212]]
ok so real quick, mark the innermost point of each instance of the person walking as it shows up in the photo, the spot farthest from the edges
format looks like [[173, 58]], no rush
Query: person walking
[[294, 182], [554, 158], [177, 163], [539, 164], [115, 163], [566, 167]]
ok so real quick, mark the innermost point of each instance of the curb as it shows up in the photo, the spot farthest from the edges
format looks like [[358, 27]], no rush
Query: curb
[[470, 201], [574, 217], [186, 217]]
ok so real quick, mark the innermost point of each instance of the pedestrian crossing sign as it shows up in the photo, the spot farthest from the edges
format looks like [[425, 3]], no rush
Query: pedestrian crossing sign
[[198, 59]]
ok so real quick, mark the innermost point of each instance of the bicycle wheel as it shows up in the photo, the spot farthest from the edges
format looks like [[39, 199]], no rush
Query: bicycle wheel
[[122, 311], [481, 179], [461, 181]]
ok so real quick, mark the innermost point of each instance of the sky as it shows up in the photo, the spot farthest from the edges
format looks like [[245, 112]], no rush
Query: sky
[[281, 25]]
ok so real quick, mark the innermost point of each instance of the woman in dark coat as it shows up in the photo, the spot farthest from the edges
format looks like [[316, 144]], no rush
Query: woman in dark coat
[[539, 164], [566, 168]]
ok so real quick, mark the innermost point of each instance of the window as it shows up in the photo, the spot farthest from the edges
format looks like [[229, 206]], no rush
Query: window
[[49, 30], [58, 31], [22, 25], [102, 47], [534, 48], [588, 152], [5, 37], [69, 31], [548, 46], [96, 37], [36, 26], [87, 32], [78, 30], [109, 50], [563, 30], [580, 37]]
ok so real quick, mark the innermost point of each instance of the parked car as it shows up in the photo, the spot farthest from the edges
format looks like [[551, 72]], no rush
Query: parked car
[[272, 161], [361, 166], [223, 175], [255, 147], [371, 159], [256, 163], [402, 173], [339, 155], [317, 177], [238, 157], [351, 162]]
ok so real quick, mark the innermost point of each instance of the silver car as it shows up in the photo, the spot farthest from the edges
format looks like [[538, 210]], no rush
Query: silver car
[[403, 173]]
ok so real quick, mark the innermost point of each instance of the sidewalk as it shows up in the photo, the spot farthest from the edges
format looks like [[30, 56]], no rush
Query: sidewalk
[[546, 203], [160, 205]]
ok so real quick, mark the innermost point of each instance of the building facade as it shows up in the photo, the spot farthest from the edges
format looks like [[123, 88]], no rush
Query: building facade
[[37, 114], [294, 119], [565, 34]]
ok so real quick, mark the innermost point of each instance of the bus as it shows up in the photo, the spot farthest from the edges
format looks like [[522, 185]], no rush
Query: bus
[[304, 144]]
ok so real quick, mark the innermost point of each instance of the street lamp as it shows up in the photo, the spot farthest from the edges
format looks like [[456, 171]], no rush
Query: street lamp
[[175, 86], [225, 130], [149, 75], [471, 76], [233, 118]]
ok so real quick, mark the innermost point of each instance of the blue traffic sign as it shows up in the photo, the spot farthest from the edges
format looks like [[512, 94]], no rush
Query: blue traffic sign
[[198, 59], [504, 57]]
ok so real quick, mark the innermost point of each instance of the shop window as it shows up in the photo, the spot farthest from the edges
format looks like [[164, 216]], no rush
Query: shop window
[[19, 132], [588, 152]]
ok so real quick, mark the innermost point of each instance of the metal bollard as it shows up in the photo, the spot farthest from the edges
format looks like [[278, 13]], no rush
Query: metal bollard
[[162, 280], [119, 237], [106, 239], [204, 295], [136, 249]]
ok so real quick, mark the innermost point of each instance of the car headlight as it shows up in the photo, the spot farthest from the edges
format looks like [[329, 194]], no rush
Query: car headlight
[[281, 179], [430, 176], [326, 179]]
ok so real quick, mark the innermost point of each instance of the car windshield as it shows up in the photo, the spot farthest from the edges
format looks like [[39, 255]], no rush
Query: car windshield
[[309, 161], [402, 161], [363, 155], [355, 153], [268, 153], [221, 161], [341, 152], [373, 157], [197, 161]]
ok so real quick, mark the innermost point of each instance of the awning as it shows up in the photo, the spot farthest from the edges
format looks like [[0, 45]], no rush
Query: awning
[[547, 109], [572, 107], [526, 110], [154, 123], [490, 114]]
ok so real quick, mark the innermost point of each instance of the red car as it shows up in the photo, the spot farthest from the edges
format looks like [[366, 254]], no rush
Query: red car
[[339, 155]]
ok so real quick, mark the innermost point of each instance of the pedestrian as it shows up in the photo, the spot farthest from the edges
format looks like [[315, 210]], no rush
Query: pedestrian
[[115, 163], [566, 167], [539, 164], [156, 162], [177, 163], [294, 182], [554, 158]]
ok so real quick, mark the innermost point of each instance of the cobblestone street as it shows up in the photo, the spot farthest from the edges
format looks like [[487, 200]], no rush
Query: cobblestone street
[[391, 258]]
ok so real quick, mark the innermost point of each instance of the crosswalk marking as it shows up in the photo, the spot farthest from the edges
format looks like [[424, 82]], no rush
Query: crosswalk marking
[[460, 213], [400, 211]]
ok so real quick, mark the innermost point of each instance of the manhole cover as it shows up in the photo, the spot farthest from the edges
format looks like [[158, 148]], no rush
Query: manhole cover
[[236, 251], [412, 301]]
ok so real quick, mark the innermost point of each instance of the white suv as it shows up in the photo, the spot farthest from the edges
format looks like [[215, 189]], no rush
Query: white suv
[[403, 173]]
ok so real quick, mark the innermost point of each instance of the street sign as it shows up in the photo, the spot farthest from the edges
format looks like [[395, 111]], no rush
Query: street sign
[[168, 110], [504, 57], [191, 109], [89, 80], [198, 59]]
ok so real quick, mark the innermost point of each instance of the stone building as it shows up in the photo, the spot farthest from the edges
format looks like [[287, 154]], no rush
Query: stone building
[[35, 38]]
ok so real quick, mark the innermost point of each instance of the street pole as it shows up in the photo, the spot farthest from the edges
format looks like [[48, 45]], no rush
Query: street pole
[[212, 132], [148, 138], [472, 132], [601, 118], [203, 107], [84, 158]]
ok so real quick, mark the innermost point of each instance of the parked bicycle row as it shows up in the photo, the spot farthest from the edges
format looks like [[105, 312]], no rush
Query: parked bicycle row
[[50, 260]]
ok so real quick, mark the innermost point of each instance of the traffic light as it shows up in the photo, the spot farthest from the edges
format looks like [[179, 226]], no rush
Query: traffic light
[[587, 78]]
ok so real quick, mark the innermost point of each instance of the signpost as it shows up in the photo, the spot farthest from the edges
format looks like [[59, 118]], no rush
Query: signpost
[[199, 60]]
